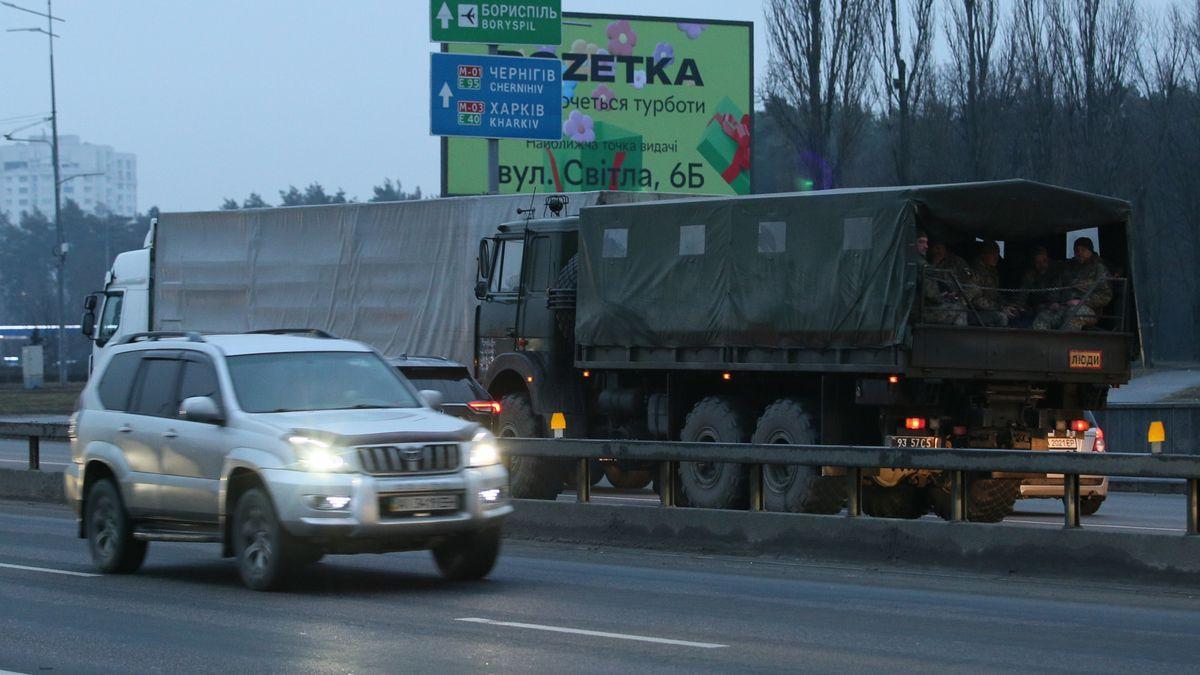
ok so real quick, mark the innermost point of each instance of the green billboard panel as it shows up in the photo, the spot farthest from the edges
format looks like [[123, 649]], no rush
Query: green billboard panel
[[518, 22], [649, 104]]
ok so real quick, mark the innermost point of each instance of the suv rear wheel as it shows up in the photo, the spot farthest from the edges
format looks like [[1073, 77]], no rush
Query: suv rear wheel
[[266, 554], [110, 532]]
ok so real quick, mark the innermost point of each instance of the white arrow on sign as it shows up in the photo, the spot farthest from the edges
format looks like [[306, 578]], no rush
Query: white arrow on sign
[[445, 15], [446, 94]]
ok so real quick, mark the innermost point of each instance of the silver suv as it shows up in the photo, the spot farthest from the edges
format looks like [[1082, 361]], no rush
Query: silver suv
[[282, 448]]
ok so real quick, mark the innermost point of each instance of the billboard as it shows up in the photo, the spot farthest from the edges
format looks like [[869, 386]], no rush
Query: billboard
[[649, 104]]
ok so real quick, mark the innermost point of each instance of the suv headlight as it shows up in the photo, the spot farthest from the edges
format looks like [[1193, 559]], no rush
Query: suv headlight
[[483, 450], [317, 455]]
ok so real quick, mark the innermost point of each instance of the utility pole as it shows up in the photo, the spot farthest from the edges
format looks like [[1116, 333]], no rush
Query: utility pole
[[60, 250]]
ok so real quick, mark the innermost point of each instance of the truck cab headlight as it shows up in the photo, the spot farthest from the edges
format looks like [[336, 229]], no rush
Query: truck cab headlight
[[317, 455], [483, 450]]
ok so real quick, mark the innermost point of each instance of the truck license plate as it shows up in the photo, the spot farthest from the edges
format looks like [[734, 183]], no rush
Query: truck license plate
[[914, 441], [421, 503], [1062, 443]]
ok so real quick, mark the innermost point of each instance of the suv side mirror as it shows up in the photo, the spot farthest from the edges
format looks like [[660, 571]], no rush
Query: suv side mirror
[[485, 259], [481, 290], [88, 323], [201, 409], [433, 399]]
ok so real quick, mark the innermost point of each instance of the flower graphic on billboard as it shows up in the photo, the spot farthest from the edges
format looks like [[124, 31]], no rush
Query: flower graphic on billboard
[[579, 127], [692, 30], [622, 38]]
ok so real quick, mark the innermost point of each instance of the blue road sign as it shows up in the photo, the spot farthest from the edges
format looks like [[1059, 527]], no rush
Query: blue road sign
[[495, 97]]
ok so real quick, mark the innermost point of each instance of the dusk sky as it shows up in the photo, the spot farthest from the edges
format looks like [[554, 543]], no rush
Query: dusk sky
[[220, 98]]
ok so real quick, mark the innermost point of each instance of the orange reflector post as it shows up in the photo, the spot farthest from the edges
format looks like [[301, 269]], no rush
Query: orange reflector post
[[1157, 433], [914, 423]]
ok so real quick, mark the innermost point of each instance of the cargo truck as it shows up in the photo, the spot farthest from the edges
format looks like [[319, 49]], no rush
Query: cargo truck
[[797, 318]]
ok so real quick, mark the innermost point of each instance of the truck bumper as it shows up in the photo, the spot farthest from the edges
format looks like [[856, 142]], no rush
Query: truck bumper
[[364, 525]]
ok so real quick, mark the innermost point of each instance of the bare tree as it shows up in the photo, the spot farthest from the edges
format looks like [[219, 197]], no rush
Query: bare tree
[[1035, 92], [972, 30], [817, 79], [903, 45]]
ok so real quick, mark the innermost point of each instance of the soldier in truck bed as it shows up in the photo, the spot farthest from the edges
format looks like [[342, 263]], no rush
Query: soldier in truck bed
[[946, 277], [1034, 296], [989, 304], [1086, 294]]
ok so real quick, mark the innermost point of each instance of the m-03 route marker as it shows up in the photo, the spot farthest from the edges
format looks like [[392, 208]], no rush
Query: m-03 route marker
[[495, 96], [511, 22]]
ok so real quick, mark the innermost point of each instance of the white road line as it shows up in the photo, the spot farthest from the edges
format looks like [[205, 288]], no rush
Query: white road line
[[1087, 525], [26, 462], [47, 570], [10, 672], [596, 633]]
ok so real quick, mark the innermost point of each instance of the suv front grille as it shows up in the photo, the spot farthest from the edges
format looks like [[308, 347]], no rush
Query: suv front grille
[[409, 459]]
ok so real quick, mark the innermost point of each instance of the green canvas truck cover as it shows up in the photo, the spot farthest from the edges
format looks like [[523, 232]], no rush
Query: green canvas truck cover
[[833, 269]]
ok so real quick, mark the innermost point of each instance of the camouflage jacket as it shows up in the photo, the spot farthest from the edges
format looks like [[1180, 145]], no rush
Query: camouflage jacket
[[1087, 281], [951, 275], [987, 279], [1033, 293]]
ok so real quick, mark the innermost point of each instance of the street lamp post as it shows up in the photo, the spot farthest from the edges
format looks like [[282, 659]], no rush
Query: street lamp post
[[60, 249]]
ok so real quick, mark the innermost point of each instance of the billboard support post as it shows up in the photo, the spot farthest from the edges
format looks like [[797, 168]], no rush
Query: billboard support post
[[493, 150]]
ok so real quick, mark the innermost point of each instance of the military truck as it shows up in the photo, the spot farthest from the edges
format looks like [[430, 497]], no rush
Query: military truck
[[795, 319]]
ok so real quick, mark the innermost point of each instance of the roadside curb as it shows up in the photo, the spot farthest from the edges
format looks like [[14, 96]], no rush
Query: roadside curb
[[37, 486], [976, 547]]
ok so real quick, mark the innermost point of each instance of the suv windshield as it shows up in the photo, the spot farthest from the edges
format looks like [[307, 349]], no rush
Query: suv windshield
[[296, 381]]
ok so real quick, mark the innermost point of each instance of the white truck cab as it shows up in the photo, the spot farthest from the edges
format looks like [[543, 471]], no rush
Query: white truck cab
[[123, 307]]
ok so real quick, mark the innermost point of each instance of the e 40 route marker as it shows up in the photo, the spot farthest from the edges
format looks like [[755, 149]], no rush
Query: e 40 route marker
[[495, 96], [512, 22]]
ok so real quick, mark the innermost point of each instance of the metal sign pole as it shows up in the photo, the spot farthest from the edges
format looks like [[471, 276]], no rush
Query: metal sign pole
[[493, 149]]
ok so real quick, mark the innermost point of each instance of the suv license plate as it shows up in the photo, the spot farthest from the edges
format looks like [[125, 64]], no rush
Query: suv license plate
[[421, 503], [1062, 443], [915, 441]]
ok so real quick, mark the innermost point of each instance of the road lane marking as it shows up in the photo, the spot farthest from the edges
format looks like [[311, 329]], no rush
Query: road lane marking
[[1088, 525], [595, 633], [47, 570]]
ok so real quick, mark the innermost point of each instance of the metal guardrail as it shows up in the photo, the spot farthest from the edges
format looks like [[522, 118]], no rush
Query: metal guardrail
[[858, 459], [34, 430]]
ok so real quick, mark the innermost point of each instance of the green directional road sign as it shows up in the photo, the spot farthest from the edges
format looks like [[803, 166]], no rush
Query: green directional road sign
[[513, 22]]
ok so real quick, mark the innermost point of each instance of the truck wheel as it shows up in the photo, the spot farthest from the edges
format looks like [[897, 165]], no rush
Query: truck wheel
[[788, 487], [266, 554], [567, 280], [628, 479], [110, 532], [715, 485], [468, 557], [902, 501], [530, 477], [989, 500]]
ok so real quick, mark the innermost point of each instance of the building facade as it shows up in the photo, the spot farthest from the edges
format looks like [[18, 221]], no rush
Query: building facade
[[106, 183]]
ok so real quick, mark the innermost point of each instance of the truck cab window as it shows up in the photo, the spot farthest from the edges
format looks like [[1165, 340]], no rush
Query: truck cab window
[[110, 320], [506, 278]]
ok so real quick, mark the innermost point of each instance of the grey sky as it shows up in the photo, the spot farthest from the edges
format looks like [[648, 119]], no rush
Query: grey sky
[[219, 98]]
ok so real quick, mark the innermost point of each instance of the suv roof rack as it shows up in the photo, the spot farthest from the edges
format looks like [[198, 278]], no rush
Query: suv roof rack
[[153, 336], [310, 332]]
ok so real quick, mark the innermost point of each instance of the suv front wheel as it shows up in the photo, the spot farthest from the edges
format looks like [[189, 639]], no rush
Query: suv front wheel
[[266, 553], [470, 556], [110, 532]]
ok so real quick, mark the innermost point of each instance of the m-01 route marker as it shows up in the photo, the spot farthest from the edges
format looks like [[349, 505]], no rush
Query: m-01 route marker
[[495, 96], [512, 22]]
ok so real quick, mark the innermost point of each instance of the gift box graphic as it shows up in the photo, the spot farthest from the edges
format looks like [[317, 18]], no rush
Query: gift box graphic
[[725, 145], [612, 162]]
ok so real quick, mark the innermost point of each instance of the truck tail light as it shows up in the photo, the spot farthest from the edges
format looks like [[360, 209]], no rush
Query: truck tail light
[[914, 423], [1080, 425], [492, 407], [1100, 446]]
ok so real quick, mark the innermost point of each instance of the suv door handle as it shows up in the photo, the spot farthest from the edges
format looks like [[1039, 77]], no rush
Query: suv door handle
[[125, 428], [170, 433]]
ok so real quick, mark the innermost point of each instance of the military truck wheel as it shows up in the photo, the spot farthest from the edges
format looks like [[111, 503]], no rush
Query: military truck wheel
[[902, 501], [792, 488], [1088, 506], [715, 485], [531, 477], [628, 479], [989, 500], [109, 530]]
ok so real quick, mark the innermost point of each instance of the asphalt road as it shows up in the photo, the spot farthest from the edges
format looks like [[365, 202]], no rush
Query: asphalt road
[[557, 608]]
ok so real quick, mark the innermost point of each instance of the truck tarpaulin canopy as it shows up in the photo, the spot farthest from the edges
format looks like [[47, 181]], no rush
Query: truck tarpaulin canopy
[[399, 276], [825, 270]]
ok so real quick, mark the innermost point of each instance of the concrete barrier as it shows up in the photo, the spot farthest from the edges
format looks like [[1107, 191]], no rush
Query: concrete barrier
[[993, 549], [36, 486]]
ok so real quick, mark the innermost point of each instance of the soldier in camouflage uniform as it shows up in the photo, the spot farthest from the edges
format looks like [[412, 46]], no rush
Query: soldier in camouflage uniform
[[1087, 292], [988, 303], [943, 297], [1034, 296]]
